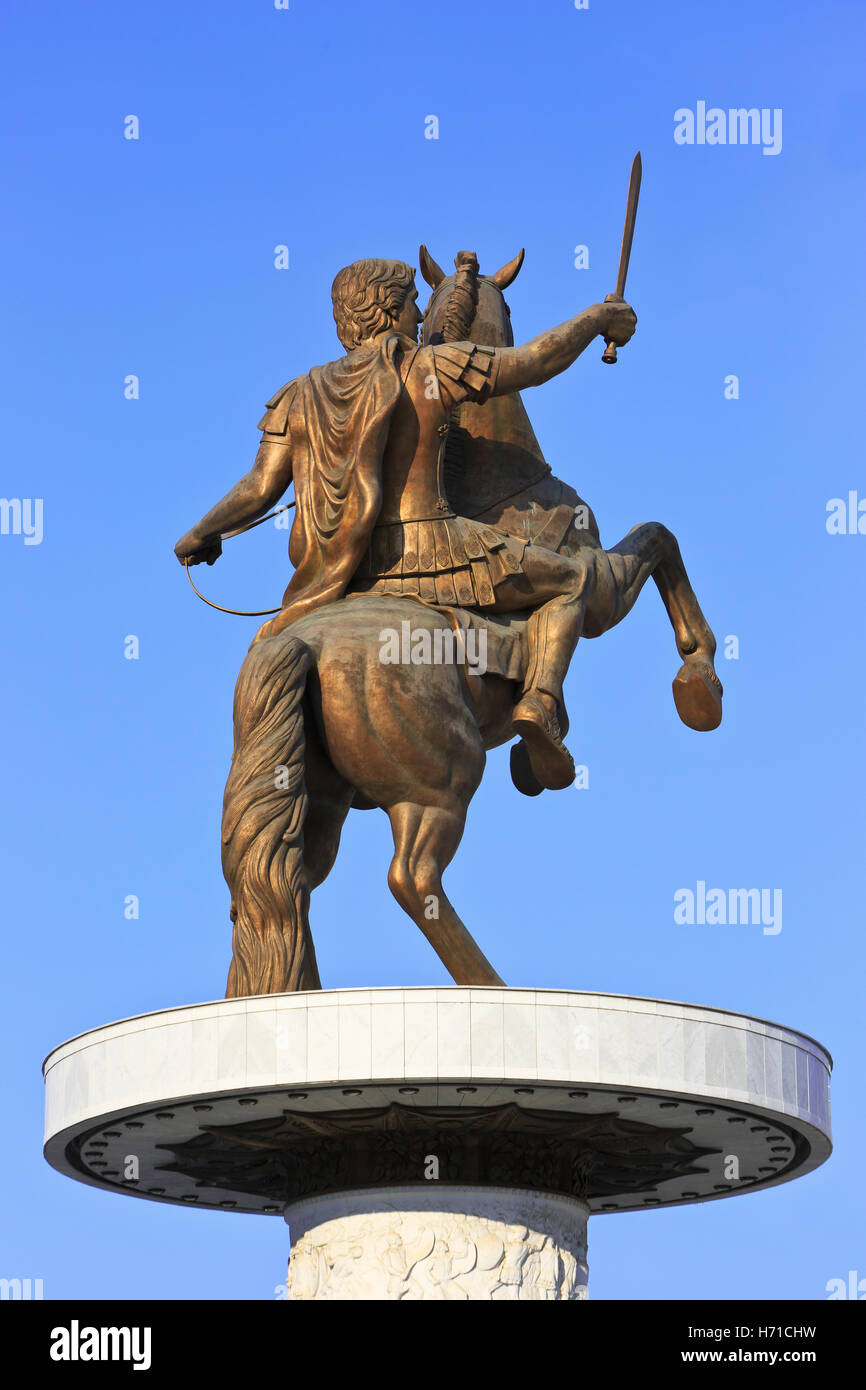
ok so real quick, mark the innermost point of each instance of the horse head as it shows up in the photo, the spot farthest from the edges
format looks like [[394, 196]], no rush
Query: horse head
[[467, 305]]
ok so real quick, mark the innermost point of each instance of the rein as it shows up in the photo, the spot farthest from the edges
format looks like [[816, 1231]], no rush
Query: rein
[[229, 535], [239, 531], [460, 312]]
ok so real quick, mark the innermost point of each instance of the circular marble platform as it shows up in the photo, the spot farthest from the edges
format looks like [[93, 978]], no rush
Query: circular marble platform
[[621, 1103]]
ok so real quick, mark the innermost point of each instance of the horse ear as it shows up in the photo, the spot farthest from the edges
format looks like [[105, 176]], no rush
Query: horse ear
[[433, 273], [503, 277]]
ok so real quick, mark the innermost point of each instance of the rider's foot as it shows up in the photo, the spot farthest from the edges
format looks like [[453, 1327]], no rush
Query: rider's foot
[[550, 760], [522, 775], [698, 696]]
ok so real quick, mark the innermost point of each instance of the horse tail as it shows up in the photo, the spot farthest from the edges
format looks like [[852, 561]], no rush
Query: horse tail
[[264, 810]]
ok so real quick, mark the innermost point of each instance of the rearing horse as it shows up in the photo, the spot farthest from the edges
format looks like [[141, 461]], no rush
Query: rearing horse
[[323, 723], [496, 472]]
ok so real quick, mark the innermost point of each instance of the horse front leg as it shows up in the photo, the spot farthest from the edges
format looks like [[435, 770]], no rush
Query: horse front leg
[[651, 549]]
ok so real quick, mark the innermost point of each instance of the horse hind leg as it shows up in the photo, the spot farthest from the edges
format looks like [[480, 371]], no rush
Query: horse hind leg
[[407, 740], [425, 841], [330, 798], [651, 549]]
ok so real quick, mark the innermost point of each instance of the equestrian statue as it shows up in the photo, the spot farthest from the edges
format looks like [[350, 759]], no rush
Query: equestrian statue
[[423, 507]]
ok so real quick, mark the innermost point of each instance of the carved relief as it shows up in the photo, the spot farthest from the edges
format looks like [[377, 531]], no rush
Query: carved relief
[[304, 1153], [439, 1256]]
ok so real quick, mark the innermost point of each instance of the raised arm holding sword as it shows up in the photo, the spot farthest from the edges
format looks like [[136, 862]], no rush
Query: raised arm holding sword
[[376, 477]]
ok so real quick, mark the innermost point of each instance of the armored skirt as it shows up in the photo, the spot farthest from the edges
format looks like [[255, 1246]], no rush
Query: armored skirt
[[451, 560]]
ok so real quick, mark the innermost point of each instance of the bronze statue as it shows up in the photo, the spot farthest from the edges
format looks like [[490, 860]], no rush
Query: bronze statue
[[424, 507]]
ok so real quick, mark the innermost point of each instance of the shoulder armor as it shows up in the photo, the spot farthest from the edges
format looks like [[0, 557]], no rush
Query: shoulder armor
[[276, 417], [470, 364]]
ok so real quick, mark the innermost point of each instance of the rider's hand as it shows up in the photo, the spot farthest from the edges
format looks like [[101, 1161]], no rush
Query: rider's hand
[[619, 320], [198, 549]]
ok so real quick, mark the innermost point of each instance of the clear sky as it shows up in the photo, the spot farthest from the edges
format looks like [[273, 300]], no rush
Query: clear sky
[[155, 258]]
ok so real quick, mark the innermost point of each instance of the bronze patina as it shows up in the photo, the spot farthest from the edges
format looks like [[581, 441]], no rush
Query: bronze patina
[[609, 354], [426, 512]]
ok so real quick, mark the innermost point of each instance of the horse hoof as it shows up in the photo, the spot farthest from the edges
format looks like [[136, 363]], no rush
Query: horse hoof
[[698, 696], [522, 775]]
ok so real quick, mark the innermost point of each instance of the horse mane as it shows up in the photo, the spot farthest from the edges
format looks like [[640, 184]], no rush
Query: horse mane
[[463, 299], [460, 309]]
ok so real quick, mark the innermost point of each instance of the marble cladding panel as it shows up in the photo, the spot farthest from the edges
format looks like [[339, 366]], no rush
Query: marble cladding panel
[[487, 1039], [544, 1036]]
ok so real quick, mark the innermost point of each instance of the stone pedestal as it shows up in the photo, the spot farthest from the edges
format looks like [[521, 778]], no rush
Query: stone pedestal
[[438, 1242], [438, 1143]]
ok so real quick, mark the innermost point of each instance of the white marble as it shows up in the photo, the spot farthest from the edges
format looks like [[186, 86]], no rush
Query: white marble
[[387, 1039], [420, 1036], [548, 1037], [487, 1039], [438, 1243], [712, 1072], [355, 1043], [453, 1038]]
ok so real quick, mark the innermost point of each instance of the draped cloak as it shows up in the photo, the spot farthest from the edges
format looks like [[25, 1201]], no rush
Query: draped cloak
[[335, 422]]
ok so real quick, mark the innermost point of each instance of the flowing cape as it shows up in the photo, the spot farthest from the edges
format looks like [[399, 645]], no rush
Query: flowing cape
[[335, 421]]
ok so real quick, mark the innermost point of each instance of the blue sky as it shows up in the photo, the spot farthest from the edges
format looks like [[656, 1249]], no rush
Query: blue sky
[[155, 257]]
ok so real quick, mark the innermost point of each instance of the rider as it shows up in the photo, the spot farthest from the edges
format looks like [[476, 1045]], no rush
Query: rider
[[363, 440]]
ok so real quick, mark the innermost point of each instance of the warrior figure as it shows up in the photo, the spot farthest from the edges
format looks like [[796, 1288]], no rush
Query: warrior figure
[[362, 439]]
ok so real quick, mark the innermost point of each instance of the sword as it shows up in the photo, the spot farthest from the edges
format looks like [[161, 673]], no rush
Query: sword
[[609, 354]]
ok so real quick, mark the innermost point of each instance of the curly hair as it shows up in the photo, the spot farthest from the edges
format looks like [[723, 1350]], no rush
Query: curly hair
[[367, 297]]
